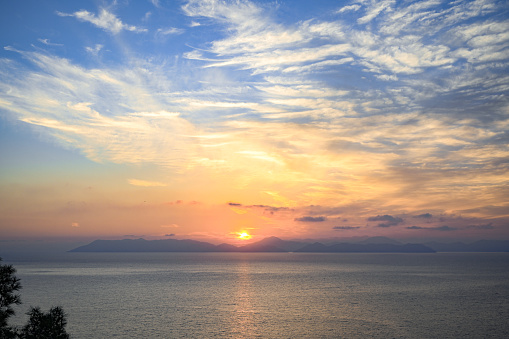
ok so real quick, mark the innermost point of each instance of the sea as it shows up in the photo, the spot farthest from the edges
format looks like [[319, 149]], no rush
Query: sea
[[271, 295]]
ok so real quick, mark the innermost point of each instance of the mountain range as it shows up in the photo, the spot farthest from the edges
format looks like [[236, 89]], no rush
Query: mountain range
[[274, 244]]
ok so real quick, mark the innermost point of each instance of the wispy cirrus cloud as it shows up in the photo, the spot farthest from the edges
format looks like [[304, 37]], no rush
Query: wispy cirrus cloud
[[71, 101], [258, 43], [169, 31], [374, 9], [105, 20], [48, 42]]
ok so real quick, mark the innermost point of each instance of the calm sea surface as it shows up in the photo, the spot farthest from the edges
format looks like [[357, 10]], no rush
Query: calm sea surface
[[272, 295]]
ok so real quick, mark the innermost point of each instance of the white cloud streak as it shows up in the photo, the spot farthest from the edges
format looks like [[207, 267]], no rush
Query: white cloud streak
[[105, 20], [48, 43], [94, 50], [260, 44], [375, 8], [170, 31]]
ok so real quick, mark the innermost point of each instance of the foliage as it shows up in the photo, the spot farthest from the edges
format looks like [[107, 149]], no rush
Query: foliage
[[50, 325], [9, 284]]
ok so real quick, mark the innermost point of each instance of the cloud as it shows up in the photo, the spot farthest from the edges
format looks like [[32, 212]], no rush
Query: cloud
[[444, 228], [75, 224], [386, 225], [349, 8], [257, 42], [491, 210], [311, 219], [271, 209], [105, 20], [170, 235], [386, 217], [438, 228], [244, 14], [94, 50], [266, 208], [425, 216], [47, 42], [147, 16], [170, 31], [391, 221], [374, 10], [145, 183], [74, 104], [343, 228], [170, 226], [253, 32], [488, 226]]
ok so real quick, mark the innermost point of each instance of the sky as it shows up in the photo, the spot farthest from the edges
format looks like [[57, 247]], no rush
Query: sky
[[298, 119]]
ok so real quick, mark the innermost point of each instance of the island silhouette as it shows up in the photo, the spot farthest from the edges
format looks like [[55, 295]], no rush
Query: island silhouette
[[275, 244]]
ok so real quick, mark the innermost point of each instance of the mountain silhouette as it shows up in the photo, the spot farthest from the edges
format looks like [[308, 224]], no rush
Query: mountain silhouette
[[379, 240], [270, 244], [274, 244], [142, 245]]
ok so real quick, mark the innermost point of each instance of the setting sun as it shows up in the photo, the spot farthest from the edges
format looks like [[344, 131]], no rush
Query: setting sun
[[244, 235]]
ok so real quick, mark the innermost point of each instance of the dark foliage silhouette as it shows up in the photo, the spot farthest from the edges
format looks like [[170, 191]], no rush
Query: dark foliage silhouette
[[9, 285], [50, 325], [40, 325]]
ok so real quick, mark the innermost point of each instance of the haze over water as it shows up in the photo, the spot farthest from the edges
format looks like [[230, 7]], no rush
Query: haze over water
[[273, 295]]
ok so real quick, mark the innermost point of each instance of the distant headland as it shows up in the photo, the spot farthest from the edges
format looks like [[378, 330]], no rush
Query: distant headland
[[274, 244]]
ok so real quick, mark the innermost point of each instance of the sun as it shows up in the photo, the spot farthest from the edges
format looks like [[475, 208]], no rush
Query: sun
[[243, 235]]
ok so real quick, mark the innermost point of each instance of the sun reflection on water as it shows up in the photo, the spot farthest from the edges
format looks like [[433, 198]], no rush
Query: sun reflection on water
[[244, 325]]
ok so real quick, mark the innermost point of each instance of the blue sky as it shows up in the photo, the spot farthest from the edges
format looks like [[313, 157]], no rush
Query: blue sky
[[297, 119]]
